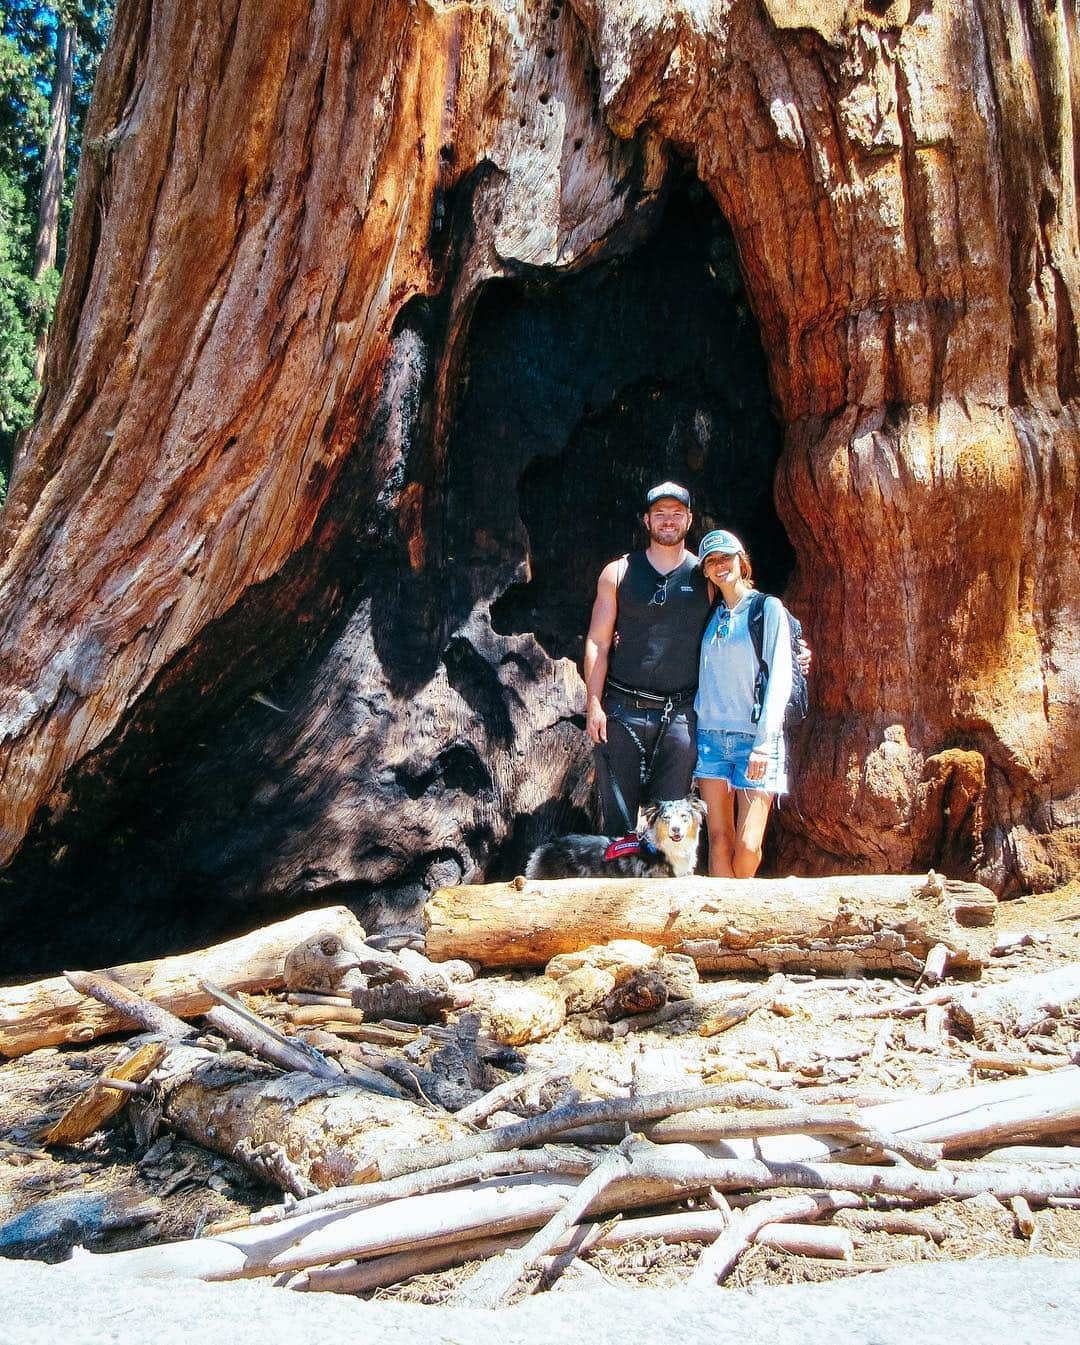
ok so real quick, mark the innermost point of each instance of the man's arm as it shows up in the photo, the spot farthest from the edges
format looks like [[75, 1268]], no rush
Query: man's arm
[[597, 649]]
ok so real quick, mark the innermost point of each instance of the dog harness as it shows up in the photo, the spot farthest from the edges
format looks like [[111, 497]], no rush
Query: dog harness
[[632, 844]]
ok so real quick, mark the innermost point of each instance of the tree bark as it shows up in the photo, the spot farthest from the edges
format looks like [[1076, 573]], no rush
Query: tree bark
[[835, 924], [261, 560], [52, 173]]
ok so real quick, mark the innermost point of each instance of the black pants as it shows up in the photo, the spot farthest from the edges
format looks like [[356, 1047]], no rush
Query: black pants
[[672, 766]]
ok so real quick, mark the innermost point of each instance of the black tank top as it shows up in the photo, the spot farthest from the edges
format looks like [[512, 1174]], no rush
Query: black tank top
[[657, 648]]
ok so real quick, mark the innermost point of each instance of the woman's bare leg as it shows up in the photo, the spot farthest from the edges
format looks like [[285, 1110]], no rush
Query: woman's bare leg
[[719, 798], [749, 838]]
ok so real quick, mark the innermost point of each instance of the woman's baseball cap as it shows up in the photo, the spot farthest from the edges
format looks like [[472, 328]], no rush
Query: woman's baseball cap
[[721, 542], [667, 490]]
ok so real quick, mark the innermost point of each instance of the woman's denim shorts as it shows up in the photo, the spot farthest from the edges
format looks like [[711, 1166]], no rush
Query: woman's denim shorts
[[725, 755]]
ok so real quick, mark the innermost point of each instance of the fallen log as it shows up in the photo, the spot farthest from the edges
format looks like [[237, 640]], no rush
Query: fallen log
[[331, 1131], [51, 1012], [1019, 1006], [838, 924]]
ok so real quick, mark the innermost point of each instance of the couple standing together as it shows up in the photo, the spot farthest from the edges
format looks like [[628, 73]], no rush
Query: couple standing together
[[672, 685]]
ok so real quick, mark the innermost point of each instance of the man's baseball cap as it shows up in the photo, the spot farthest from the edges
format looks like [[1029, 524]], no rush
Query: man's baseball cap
[[721, 542], [667, 490]]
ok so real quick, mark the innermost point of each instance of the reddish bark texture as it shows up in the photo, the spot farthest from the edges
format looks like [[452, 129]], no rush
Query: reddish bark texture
[[252, 473]]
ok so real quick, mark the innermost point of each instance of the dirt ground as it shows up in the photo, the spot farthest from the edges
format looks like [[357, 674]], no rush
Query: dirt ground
[[156, 1187]]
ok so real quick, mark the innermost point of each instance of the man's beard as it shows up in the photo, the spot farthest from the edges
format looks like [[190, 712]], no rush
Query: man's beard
[[673, 533]]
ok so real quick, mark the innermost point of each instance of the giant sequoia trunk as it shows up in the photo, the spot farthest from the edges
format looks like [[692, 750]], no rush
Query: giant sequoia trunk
[[377, 317]]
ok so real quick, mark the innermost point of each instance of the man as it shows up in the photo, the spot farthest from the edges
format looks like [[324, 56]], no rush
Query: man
[[641, 664]]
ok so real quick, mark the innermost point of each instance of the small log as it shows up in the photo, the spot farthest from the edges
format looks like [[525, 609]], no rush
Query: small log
[[1005, 1062], [881, 923], [99, 1103], [477, 1112], [51, 1012], [599, 1029], [233, 1020], [1020, 1005], [960, 1120], [829, 1243], [246, 1029], [304, 1015], [381, 1272], [901, 1222], [329, 1130], [408, 1003]]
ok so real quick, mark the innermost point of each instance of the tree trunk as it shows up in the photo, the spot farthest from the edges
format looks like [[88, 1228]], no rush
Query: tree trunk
[[52, 174], [377, 319], [842, 925]]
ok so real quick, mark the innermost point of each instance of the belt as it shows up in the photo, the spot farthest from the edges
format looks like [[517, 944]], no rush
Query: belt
[[640, 699]]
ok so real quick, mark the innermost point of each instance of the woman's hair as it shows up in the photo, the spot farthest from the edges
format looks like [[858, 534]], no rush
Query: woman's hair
[[745, 568]]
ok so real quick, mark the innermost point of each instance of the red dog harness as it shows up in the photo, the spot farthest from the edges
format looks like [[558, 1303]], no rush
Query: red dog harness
[[633, 844]]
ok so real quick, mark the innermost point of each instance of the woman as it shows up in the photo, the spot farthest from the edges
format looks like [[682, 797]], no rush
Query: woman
[[741, 760]]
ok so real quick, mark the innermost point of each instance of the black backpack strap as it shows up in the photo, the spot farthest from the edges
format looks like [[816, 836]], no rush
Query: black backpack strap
[[755, 620]]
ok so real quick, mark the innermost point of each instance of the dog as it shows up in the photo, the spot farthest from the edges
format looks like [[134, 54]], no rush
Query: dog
[[667, 847]]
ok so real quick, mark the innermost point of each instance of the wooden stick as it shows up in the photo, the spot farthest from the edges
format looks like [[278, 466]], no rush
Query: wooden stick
[[323, 1014], [493, 1284], [478, 1111], [538, 1129], [135, 1009], [240, 1025], [840, 1122], [903, 1222], [716, 1262], [807, 1240], [50, 1012], [565, 1162], [1005, 1063], [729, 1015], [93, 1108], [1025, 1220]]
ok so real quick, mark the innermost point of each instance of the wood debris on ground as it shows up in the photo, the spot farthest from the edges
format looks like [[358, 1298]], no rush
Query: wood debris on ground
[[453, 1134]]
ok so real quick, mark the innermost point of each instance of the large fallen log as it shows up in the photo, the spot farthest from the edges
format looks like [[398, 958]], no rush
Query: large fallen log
[[840, 924], [51, 1012]]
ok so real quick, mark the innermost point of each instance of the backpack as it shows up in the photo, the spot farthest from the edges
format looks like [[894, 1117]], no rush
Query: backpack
[[799, 701]]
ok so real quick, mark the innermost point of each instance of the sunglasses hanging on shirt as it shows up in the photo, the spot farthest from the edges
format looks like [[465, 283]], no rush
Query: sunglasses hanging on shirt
[[660, 596], [723, 624]]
